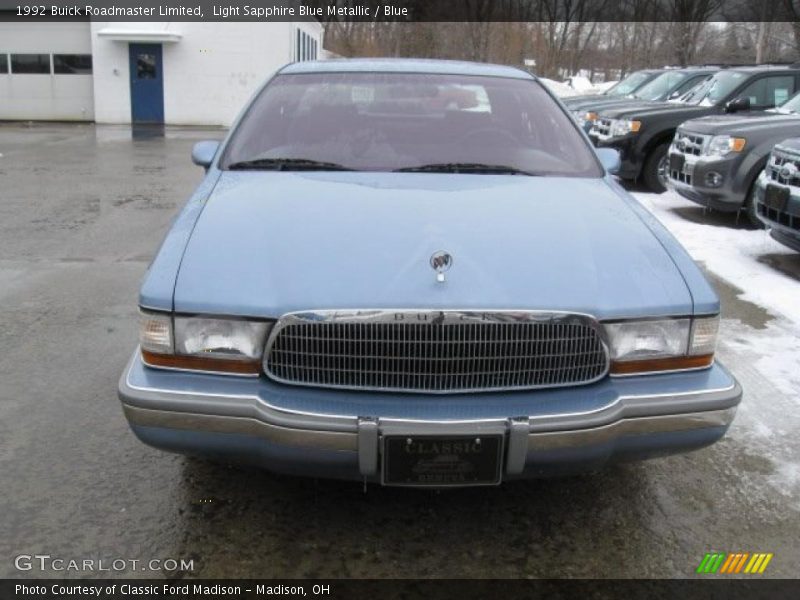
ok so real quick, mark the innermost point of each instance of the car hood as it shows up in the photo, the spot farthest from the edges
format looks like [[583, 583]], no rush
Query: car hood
[[744, 123], [268, 243], [574, 102], [679, 112], [604, 102]]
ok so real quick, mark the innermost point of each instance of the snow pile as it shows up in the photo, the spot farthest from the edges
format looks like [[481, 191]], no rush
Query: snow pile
[[581, 84], [602, 87]]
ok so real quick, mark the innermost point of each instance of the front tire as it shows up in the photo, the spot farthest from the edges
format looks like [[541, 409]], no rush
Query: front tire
[[750, 208], [654, 173]]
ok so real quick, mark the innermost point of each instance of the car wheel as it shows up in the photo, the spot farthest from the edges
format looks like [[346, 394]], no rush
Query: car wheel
[[750, 208], [655, 169]]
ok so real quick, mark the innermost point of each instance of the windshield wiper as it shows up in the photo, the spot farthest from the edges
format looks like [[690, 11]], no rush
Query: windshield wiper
[[465, 168], [286, 164]]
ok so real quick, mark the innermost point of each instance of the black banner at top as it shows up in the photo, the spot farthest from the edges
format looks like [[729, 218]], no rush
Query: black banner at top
[[403, 10]]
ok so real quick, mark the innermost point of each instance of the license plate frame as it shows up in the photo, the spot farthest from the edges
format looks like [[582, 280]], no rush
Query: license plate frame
[[776, 197], [429, 467]]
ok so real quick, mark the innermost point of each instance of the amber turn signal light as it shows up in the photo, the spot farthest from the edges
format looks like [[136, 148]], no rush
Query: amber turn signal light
[[201, 363], [674, 363]]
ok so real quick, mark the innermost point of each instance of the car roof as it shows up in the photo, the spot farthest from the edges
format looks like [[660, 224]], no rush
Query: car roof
[[763, 68], [404, 65]]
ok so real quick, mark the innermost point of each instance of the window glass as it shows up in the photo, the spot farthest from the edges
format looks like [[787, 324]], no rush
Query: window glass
[[30, 63], [390, 121], [792, 105], [72, 64], [146, 66], [660, 86], [719, 86], [628, 85], [3, 63], [688, 85], [767, 92]]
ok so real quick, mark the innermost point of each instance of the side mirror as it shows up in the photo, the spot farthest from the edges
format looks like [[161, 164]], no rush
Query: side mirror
[[609, 157], [203, 153], [737, 104]]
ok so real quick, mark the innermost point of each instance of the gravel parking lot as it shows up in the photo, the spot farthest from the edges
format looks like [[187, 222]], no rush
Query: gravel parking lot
[[82, 210]]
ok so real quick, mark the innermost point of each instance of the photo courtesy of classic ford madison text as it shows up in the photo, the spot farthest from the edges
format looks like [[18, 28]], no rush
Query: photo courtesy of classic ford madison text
[[494, 291]]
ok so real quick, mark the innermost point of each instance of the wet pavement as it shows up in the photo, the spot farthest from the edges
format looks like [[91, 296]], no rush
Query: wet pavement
[[82, 210]]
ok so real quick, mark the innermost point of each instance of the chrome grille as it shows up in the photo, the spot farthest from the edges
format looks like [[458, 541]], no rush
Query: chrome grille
[[784, 166], [689, 143], [602, 127], [435, 351]]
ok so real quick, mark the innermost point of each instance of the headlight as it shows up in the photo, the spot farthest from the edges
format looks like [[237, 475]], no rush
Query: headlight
[[205, 344], [661, 345], [620, 127], [722, 145], [582, 116]]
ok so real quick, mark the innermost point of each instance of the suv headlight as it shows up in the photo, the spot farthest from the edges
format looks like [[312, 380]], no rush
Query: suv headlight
[[620, 127], [581, 116], [225, 345], [722, 145], [661, 345]]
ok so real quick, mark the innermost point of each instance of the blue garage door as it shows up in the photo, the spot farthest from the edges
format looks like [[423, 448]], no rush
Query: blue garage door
[[147, 83]]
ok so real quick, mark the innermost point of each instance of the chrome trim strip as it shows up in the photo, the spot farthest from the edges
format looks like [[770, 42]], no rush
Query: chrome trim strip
[[558, 440], [350, 441], [447, 316], [304, 438]]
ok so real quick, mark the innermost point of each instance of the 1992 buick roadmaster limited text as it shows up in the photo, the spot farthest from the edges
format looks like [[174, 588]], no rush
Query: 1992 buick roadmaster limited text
[[420, 273]]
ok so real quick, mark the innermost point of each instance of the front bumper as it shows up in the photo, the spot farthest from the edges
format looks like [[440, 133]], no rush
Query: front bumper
[[336, 434], [631, 161], [691, 184], [783, 225]]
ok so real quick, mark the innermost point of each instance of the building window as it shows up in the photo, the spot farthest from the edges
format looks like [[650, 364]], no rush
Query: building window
[[72, 64], [30, 63], [3, 63], [305, 46]]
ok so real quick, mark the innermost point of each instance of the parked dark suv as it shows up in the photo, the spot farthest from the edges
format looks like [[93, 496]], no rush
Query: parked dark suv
[[643, 134], [777, 194], [715, 160], [669, 84]]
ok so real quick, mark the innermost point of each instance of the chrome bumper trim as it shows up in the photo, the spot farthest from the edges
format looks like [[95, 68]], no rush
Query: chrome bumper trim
[[520, 439]]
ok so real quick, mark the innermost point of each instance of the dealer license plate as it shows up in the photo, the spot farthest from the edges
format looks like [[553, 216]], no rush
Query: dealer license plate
[[676, 162], [442, 460], [776, 196]]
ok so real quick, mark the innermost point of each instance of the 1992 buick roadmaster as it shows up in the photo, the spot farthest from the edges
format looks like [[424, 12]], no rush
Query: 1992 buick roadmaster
[[420, 273]]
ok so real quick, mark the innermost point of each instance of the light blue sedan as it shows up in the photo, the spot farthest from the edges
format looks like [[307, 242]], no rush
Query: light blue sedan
[[420, 273]]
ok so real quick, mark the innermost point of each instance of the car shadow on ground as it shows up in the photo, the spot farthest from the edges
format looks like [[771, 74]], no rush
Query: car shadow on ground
[[788, 264]]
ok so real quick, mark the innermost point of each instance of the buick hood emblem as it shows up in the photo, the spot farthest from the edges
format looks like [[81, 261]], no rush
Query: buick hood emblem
[[441, 261]]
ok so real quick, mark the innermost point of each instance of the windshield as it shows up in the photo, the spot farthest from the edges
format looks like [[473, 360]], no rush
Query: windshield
[[628, 85], [400, 121], [792, 105], [661, 86], [718, 87]]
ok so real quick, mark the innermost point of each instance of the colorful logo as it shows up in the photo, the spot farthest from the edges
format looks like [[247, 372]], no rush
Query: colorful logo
[[735, 562]]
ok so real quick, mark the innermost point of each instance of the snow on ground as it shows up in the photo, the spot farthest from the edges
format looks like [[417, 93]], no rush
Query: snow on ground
[[731, 253], [760, 347]]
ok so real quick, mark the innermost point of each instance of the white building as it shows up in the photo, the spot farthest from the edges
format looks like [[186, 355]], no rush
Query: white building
[[119, 72]]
